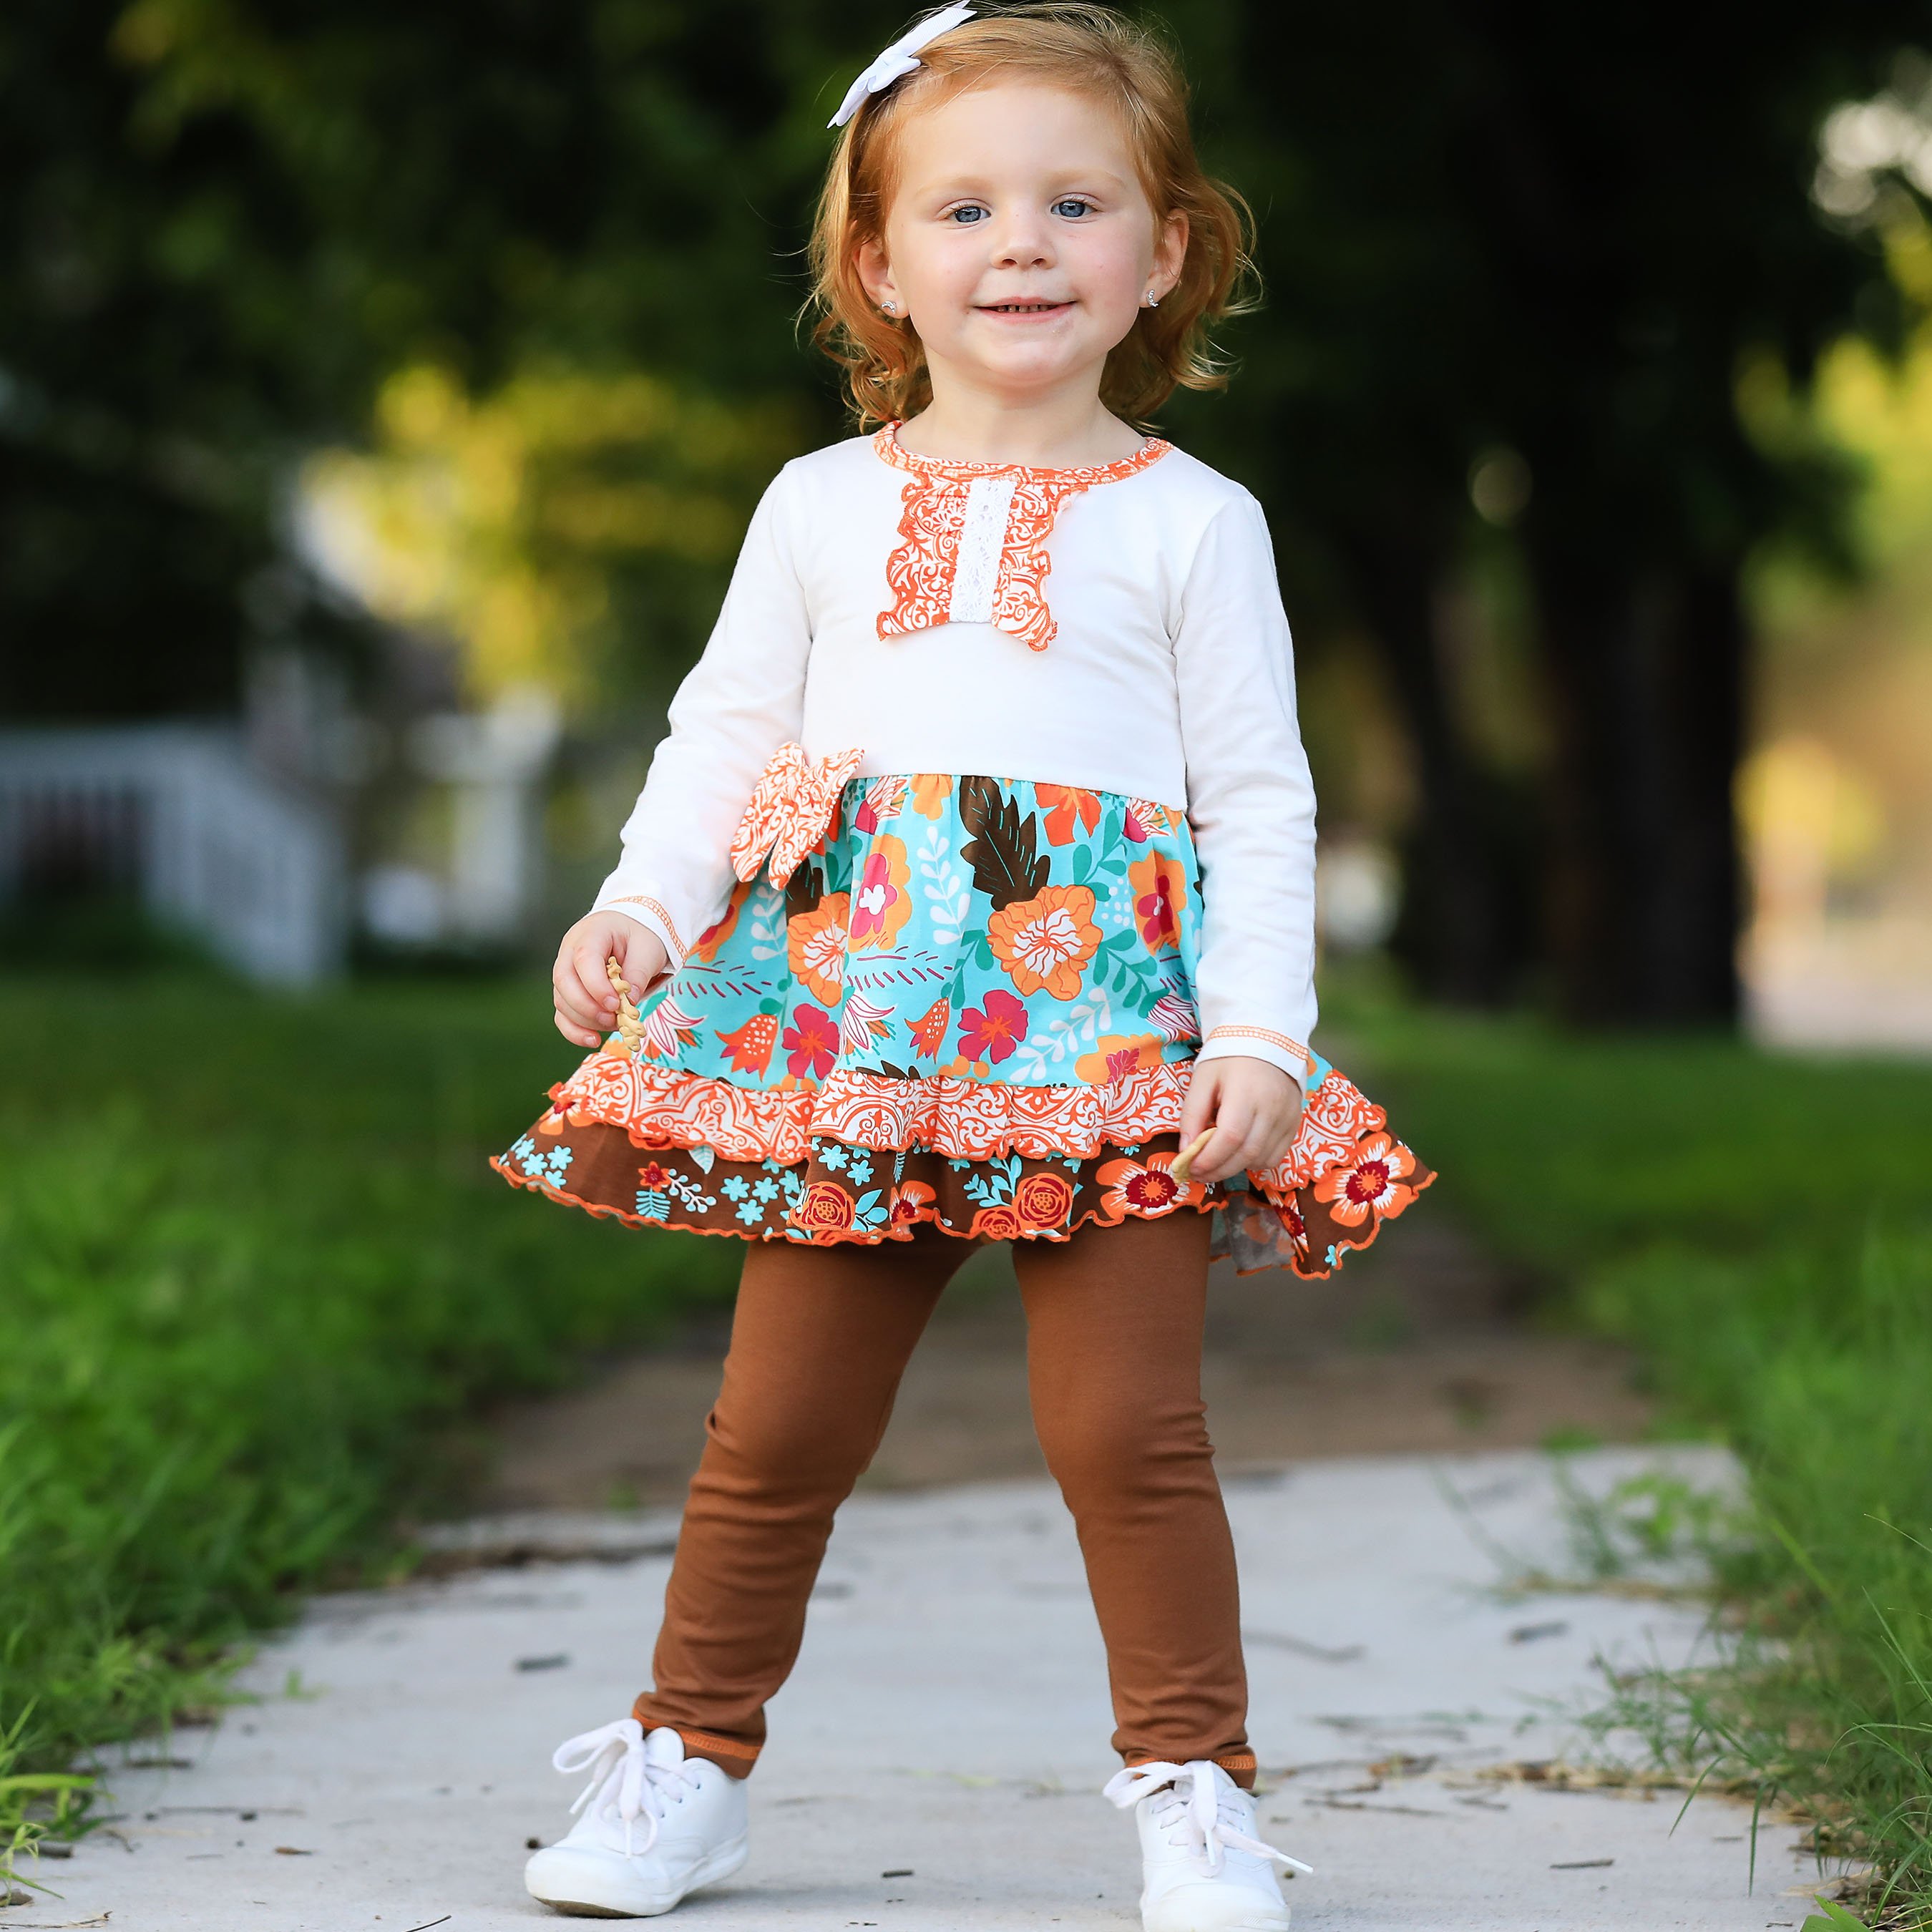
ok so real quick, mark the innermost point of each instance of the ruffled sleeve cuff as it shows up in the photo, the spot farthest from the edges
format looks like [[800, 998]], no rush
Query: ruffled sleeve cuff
[[1253, 1043], [651, 913]]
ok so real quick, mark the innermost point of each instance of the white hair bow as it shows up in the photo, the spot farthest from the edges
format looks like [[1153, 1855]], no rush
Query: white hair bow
[[897, 62]]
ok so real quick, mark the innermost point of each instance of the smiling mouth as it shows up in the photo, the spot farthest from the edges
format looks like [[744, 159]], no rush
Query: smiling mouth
[[1024, 307]]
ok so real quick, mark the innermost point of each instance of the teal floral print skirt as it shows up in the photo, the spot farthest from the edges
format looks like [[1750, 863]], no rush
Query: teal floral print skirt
[[971, 1002]]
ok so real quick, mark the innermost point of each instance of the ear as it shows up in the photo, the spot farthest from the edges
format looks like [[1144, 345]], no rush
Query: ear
[[875, 274], [1170, 253]]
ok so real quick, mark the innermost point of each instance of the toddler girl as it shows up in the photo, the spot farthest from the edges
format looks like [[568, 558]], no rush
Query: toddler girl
[[970, 898]]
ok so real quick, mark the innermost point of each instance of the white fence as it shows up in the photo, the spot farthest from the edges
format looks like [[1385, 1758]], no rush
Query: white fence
[[177, 814]]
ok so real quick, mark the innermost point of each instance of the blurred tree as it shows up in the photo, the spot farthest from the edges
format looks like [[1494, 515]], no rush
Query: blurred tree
[[1511, 247], [1528, 250], [230, 222], [544, 526]]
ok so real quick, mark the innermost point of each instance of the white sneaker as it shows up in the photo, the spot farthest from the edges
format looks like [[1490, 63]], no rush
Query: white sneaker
[[1203, 1869], [655, 1826]]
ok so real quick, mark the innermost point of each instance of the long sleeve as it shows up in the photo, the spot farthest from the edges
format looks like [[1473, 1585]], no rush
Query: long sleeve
[[742, 700], [1251, 803]]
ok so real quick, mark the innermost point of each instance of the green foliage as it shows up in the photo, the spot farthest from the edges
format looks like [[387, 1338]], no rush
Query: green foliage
[[254, 1275], [1761, 1229]]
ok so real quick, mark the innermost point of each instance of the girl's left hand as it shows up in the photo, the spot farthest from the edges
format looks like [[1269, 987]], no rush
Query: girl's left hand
[[1254, 1109]]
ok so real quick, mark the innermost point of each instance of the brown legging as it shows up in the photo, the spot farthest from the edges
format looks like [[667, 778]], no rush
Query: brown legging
[[819, 1341]]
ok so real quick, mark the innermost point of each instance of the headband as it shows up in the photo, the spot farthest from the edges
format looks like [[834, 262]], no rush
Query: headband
[[897, 62]]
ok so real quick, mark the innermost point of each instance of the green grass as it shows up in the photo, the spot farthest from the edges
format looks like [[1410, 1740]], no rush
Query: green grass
[[254, 1280], [1760, 1228]]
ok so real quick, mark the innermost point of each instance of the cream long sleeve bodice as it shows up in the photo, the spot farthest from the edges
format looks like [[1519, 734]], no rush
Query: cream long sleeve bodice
[[1119, 628]]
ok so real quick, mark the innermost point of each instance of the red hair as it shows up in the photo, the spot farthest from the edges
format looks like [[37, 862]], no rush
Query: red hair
[[1088, 50]]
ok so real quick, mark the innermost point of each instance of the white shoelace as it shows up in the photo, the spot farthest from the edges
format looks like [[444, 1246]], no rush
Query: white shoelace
[[1210, 1821], [624, 1780]]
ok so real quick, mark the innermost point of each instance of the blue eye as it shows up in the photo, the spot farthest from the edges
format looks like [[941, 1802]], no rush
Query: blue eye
[[963, 215], [1073, 207]]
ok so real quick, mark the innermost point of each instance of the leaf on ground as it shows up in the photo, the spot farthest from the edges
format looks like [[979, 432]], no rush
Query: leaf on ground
[[1830, 1918]]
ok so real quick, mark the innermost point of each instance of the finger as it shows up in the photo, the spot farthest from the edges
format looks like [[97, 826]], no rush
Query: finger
[[641, 956], [1190, 1152], [1232, 1128], [588, 960], [577, 1036], [1198, 1109], [567, 991]]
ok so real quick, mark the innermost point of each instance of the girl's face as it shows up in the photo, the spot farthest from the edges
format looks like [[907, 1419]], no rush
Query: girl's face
[[1019, 240]]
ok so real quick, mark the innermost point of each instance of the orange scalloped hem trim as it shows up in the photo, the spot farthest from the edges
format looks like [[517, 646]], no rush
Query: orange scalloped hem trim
[[900, 1229]]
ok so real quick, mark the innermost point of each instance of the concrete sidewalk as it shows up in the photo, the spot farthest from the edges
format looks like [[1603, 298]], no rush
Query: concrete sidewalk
[[935, 1762]]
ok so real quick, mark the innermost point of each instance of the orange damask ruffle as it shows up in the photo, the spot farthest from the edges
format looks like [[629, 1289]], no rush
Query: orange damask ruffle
[[921, 572], [793, 806], [967, 1120]]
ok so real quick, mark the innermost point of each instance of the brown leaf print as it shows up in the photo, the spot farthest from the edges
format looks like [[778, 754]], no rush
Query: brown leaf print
[[1003, 851]]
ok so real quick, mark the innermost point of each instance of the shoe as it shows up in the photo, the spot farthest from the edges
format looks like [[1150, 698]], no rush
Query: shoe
[[655, 1826], [1203, 1869]]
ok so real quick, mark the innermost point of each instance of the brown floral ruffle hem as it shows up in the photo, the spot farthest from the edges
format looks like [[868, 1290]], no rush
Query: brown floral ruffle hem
[[837, 1190]]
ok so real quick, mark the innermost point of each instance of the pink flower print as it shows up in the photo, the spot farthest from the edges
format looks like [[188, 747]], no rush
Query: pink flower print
[[811, 1042], [1159, 886], [881, 903], [992, 1029]]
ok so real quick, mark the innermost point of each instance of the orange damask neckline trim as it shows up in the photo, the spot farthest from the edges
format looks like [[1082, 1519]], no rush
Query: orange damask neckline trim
[[886, 441], [973, 546]]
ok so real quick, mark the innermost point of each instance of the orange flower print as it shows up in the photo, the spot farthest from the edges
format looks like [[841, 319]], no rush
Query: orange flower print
[[1144, 1187], [1370, 1182], [827, 1208], [653, 1175], [811, 1042], [815, 946], [1067, 807], [1043, 1200], [996, 1223], [910, 1200], [750, 1046], [1046, 941], [928, 1030], [881, 904], [1117, 1055], [705, 947], [1159, 885], [930, 791]]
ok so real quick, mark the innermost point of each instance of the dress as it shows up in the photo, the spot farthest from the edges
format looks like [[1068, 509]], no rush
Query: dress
[[977, 876]]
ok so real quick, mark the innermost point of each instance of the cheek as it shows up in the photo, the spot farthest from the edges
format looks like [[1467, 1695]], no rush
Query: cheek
[[1111, 273], [936, 268]]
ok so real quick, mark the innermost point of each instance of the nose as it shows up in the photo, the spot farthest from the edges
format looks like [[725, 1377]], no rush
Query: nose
[[1022, 238]]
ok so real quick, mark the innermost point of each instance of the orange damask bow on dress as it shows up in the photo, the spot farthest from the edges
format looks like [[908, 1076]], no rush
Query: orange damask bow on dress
[[793, 806]]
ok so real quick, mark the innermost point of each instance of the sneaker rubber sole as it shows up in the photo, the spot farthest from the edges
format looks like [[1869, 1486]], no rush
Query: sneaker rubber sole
[[585, 1888]]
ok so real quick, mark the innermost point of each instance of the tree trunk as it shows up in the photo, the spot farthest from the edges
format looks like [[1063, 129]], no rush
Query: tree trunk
[[1458, 923], [1646, 672]]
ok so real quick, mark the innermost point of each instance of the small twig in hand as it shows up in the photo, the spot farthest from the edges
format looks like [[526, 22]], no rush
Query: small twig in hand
[[1183, 1162], [630, 1028]]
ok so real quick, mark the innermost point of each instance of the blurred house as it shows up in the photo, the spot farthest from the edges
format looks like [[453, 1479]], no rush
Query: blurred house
[[318, 821], [179, 818]]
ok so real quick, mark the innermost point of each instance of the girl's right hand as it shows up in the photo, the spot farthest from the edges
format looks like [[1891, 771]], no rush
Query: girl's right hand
[[587, 1002]]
